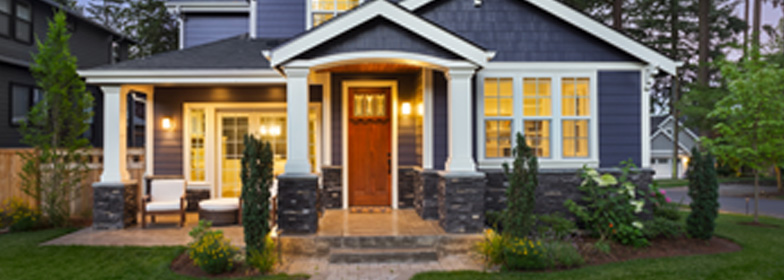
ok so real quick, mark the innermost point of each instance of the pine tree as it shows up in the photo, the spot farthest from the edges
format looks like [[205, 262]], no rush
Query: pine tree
[[153, 27], [257, 175], [54, 172], [521, 197], [704, 193]]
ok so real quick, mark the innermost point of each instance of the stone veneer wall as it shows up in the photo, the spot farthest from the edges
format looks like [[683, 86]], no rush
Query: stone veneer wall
[[426, 195], [332, 191], [193, 197], [407, 182], [555, 187], [115, 205], [461, 202], [297, 204]]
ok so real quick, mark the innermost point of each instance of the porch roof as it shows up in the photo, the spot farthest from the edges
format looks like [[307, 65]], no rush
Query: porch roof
[[240, 52]]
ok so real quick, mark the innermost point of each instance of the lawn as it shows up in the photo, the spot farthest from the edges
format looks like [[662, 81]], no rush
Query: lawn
[[22, 258], [762, 257]]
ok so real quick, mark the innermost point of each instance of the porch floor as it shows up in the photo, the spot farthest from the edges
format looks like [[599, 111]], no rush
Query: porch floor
[[401, 222]]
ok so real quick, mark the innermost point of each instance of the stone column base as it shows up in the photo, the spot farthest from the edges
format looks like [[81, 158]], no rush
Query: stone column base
[[297, 202], [426, 195], [461, 202], [115, 205]]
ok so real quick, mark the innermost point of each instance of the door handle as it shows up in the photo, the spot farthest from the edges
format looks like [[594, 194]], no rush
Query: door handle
[[389, 163]]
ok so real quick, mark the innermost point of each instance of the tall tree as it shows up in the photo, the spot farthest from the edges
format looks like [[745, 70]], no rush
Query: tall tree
[[704, 42], [617, 12], [55, 125], [109, 13], [756, 30], [146, 21]]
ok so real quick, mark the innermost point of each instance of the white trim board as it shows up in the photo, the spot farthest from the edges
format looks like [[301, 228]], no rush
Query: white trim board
[[195, 76], [591, 26], [365, 13], [209, 6]]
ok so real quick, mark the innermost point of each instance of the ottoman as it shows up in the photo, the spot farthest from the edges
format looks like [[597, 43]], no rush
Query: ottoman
[[221, 211]]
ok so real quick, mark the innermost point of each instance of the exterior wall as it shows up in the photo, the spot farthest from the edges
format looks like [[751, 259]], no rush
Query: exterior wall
[[205, 28], [407, 88], [619, 118], [379, 34], [518, 31], [280, 18], [440, 120]]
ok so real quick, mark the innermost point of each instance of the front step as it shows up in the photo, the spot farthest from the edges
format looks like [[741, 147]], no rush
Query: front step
[[386, 255]]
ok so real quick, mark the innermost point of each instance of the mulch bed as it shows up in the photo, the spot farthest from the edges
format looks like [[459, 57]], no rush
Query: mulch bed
[[659, 248], [184, 266]]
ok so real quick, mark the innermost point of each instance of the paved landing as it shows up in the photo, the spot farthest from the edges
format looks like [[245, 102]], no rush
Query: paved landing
[[403, 222], [322, 270]]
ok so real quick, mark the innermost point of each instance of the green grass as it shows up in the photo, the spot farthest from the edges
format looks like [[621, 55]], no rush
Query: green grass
[[672, 183], [22, 258], [761, 258]]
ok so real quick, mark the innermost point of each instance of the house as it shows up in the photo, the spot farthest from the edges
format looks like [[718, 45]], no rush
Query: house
[[21, 22], [662, 143], [396, 104]]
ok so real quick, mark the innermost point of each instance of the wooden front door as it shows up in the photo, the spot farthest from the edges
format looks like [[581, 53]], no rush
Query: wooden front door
[[369, 146]]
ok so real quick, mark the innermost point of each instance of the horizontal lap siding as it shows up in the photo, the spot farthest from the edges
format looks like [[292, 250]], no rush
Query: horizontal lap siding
[[440, 121], [280, 18], [201, 29], [619, 118], [519, 31]]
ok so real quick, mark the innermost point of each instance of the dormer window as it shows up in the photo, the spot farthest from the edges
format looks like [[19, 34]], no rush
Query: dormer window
[[323, 10]]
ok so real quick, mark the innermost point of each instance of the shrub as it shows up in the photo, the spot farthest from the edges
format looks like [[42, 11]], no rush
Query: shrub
[[704, 193], [610, 206], [264, 260], [492, 247], [19, 216], [493, 220], [563, 254], [525, 254], [518, 217], [662, 227], [555, 226], [257, 176], [668, 211], [210, 250]]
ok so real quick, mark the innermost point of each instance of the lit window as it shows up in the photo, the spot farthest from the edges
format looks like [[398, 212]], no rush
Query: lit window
[[575, 97], [324, 10], [498, 138], [537, 136], [536, 97], [575, 138], [272, 129], [498, 97], [197, 126], [370, 105]]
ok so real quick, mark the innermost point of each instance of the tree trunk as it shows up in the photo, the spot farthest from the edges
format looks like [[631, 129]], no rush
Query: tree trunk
[[746, 30], [755, 31], [704, 42], [778, 177], [617, 14], [676, 82]]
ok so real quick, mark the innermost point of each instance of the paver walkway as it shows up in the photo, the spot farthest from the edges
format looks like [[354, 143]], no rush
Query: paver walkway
[[731, 199], [320, 269]]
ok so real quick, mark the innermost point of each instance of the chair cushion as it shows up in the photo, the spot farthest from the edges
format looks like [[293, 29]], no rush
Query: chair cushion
[[158, 206], [167, 190], [221, 204]]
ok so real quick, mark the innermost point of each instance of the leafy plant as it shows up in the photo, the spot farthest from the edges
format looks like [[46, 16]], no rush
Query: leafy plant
[[554, 226], [704, 193], [525, 254], [562, 254], [263, 260], [210, 250], [492, 247], [19, 216], [662, 227], [521, 198], [493, 219], [610, 206], [257, 175], [53, 173]]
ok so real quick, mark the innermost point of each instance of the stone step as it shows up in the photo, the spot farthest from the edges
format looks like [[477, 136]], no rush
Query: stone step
[[382, 242], [382, 255]]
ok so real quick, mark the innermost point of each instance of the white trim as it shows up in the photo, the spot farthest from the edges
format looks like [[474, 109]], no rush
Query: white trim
[[591, 26], [556, 159], [380, 56], [427, 125], [646, 78], [149, 135], [392, 84], [196, 76], [252, 18], [367, 12], [308, 17], [562, 66], [324, 79], [210, 6], [114, 134]]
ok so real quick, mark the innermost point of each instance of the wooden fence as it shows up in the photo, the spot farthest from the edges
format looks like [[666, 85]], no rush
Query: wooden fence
[[11, 183]]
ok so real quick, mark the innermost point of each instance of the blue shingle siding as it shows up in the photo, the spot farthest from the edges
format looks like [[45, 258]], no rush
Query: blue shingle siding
[[206, 28], [619, 117], [280, 18], [440, 121], [519, 31], [379, 34]]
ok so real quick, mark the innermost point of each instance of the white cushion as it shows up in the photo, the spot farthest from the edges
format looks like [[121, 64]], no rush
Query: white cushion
[[158, 206], [167, 190], [221, 204]]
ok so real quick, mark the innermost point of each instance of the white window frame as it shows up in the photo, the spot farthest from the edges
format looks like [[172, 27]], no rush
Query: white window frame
[[556, 159], [309, 12]]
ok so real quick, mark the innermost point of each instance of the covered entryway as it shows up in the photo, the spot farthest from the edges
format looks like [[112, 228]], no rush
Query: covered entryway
[[370, 146]]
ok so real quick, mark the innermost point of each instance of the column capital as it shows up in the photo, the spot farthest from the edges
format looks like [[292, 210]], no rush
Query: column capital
[[111, 89], [460, 72], [296, 72]]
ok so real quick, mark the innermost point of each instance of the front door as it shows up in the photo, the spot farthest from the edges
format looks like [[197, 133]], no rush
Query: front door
[[369, 146]]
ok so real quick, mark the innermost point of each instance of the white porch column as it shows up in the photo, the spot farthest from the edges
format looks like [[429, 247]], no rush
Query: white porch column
[[114, 135], [297, 121], [460, 128]]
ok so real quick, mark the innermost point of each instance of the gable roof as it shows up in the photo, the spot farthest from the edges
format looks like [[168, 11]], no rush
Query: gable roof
[[662, 123], [393, 13], [591, 26], [73, 13]]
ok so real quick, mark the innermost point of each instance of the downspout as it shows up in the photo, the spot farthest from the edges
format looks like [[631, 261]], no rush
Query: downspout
[[252, 20], [181, 26]]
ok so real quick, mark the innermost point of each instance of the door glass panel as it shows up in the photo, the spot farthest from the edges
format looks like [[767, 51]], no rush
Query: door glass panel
[[234, 129], [370, 105]]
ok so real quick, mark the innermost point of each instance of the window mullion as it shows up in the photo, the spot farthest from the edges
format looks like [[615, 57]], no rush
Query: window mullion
[[556, 133]]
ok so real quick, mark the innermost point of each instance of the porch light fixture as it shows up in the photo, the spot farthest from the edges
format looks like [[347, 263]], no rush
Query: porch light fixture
[[406, 109], [166, 123], [421, 109], [275, 130]]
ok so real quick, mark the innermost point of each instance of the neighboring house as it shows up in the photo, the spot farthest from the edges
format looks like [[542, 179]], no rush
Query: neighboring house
[[407, 104], [662, 142], [21, 22]]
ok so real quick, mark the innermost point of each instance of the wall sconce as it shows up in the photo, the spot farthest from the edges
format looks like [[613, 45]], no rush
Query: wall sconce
[[263, 130], [421, 109], [166, 123], [275, 130], [406, 108]]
